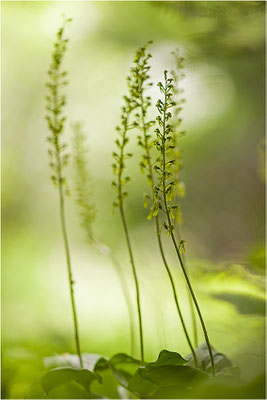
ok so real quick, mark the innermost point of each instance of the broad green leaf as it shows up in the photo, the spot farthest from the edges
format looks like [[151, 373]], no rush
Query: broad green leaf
[[172, 392], [231, 388], [60, 376], [72, 360], [122, 358], [101, 364], [108, 387], [123, 377], [140, 386], [70, 390], [122, 366], [167, 358], [124, 393], [244, 303], [35, 391], [170, 375]]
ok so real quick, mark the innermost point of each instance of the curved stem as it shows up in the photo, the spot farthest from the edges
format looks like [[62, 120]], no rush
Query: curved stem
[[135, 280], [195, 302], [127, 299], [174, 292], [71, 282], [193, 316]]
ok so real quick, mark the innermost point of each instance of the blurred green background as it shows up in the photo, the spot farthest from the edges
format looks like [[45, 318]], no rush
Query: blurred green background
[[223, 46]]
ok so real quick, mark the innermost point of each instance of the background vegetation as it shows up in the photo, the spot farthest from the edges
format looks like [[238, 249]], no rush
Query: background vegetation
[[223, 44]]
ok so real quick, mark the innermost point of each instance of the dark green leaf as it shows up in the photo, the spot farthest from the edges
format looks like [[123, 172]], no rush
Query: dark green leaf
[[140, 386], [170, 375], [101, 364], [122, 358], [168, 358], [72, 360], [123, 377]]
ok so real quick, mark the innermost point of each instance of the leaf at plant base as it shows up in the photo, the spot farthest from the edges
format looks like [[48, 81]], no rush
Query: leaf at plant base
[[140, 386], [173, 392], [72, 360], [221, 362], [119, 359], [35, 391], [168, 358], [123, 377], [170, 375], [102, 364], [70, 390], [60, 376], [227, 387], [122, 366], [108, 386], [122, 358], [124, 393]]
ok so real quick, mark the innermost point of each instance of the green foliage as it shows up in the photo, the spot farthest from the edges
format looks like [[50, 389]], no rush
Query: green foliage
[[72, 360], [62, 375], [122, 376], [56, 101], [168, 358], [83, 181]]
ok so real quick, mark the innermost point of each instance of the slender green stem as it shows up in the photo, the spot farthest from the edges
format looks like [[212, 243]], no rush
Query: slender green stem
[[121, 208], [135, 280], [127, 299], [64, 232], [70, 278], [174, 292], [195, 302], [159, 237], [193, 316], [175, 244]]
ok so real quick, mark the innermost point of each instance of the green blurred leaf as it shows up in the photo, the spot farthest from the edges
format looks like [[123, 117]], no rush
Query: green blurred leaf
[[122, 366], [140, 386], [122, 358], [60, 376], [35, 391], [108, 387], [102, 364], [123, 377], [168, 358], [244, 303], [171, 392], [70, 390], [170, 375], [72, 360]]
